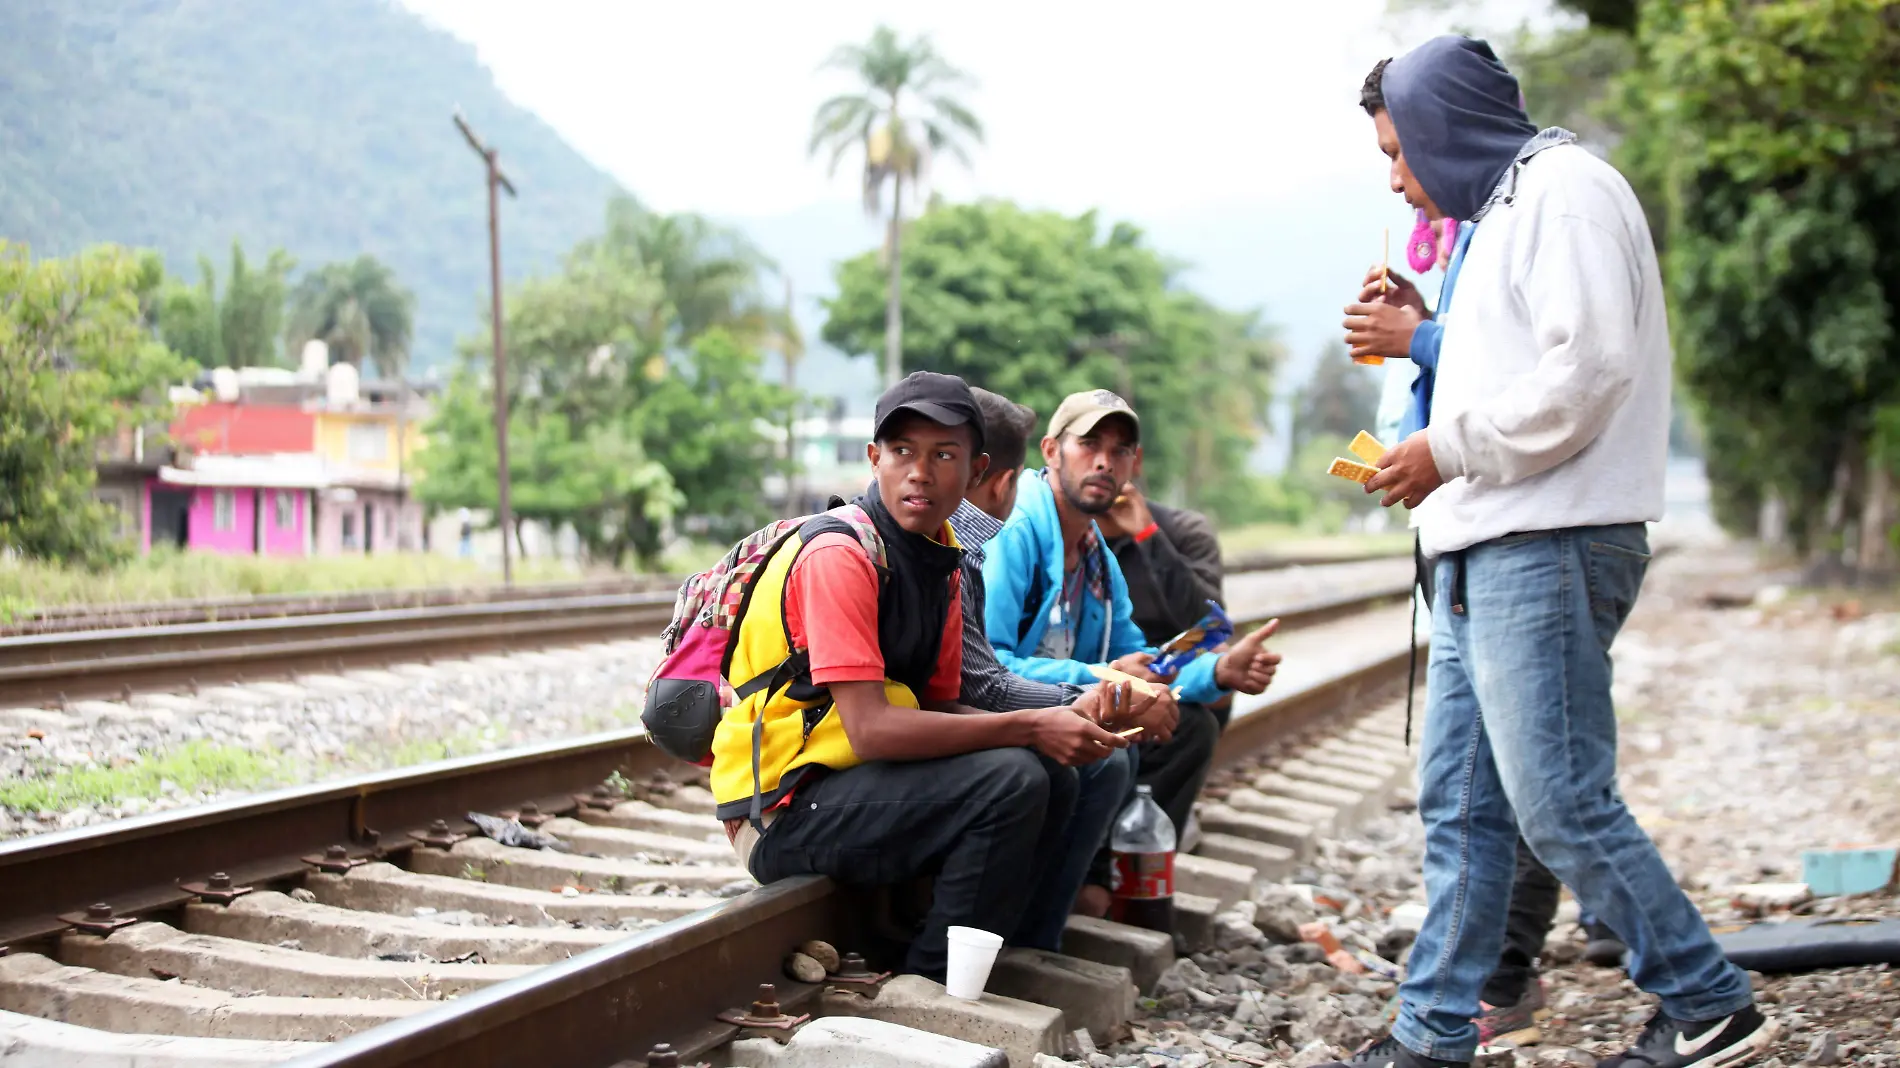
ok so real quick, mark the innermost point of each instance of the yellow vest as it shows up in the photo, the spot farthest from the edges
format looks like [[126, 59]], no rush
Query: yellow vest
[[761, 642]]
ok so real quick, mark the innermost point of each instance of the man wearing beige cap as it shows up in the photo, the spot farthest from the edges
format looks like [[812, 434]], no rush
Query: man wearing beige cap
[[1058, 603]]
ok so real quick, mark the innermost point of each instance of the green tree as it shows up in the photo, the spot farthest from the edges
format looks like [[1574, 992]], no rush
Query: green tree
[[1339, 400], [636, 385], [79, 365], [243, 327], [709, 274], [1770, 128], [898, 141], [600, 480], [1037, 305], [359, 310]]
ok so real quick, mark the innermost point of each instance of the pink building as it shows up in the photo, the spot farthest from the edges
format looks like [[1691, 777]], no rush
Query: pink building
[[234, 505]]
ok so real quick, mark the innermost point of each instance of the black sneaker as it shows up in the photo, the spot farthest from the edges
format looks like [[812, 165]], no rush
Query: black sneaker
[[1389, 1053], [1667, 1043], [1603, 949]]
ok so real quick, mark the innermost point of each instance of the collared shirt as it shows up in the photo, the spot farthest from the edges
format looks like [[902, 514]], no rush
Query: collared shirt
[[986, 684]]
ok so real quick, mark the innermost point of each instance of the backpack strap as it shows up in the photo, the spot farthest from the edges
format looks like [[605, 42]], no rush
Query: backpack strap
[[841, 519]]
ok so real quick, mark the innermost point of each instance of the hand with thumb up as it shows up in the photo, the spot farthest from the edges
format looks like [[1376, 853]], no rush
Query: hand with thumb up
[[1248, 666]]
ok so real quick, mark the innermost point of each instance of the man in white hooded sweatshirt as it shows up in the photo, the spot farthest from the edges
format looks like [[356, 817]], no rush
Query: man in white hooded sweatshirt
[[1533, 479]]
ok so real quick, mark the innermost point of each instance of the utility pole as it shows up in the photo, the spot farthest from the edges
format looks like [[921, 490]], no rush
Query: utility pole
[[496, 182]]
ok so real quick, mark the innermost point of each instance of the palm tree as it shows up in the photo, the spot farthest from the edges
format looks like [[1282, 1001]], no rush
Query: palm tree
[[358, 310], [897, 142], [709, 273]]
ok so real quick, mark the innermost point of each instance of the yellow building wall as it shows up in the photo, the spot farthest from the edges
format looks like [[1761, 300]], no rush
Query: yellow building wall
[[372, 445]]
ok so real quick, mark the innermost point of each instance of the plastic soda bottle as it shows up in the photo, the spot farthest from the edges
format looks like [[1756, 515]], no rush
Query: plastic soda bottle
[[1143, 882]]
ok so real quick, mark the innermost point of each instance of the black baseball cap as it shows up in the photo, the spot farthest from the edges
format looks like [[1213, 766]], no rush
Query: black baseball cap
[[944, 399]]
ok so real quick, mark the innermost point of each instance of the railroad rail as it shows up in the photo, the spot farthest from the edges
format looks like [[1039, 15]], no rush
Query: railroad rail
[[63, 619], [610, 1002], [63, 666]]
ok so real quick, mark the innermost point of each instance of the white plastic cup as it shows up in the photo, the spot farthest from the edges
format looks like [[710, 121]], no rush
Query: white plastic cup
[[972, 955]]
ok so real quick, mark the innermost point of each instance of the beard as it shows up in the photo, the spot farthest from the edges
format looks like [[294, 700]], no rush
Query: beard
[[1075, 486]]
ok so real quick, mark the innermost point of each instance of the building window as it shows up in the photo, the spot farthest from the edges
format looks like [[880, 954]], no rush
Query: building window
[[349, 530], [369, 442], [224, 510], [850, 452], [285, 503]]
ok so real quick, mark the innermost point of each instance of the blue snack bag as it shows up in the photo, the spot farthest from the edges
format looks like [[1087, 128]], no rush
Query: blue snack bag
[[1213, 629]]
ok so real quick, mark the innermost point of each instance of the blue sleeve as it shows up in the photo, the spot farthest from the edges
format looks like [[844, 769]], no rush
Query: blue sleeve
[[1424, 350], [1196, 680], [1010, 562]]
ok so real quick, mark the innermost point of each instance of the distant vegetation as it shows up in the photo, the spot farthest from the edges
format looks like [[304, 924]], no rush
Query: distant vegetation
[[321, 127]]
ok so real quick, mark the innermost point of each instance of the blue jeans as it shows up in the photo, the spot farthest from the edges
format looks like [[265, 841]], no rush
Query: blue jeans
[[1520, 733], [1105, 787]]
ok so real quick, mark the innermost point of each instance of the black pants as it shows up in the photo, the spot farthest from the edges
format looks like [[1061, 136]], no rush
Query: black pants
[[1534, 895], [979, 823], [1175, 771]]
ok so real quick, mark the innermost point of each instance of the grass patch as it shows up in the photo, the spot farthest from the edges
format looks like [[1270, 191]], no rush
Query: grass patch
[[1283, 540], [196, 765], [167, 575]]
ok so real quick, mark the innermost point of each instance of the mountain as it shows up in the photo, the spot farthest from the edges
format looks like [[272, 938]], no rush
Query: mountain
[[322, 126]]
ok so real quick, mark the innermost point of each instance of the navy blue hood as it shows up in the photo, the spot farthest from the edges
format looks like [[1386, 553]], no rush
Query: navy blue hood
[[1455, 108]]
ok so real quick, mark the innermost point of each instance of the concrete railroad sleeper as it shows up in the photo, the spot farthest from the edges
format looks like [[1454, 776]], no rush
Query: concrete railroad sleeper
[[127, 939]]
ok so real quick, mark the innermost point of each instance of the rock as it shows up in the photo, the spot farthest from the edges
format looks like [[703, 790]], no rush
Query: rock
[[1043, 1060], [1183, 975], [305, 896], [1235, 928], [804, 968], [1311, 1054], [1826, 1049], [823, 953], [735, 888], [1279, 924]]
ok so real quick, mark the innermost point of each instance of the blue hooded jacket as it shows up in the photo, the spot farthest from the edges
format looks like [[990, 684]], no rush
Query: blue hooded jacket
[[1027, 553], [1455, 109]]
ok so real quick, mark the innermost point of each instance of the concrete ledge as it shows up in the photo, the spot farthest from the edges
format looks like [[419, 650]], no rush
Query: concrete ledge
[[1194, 921], [1223, 880], [1269, 861], [33, 984], [1356, 803], [1021, 1029], [1345, 780], [30, 1042], [273, 918], [622, 842], [1146, 954], [1100, 997], [1324, 819], [860, 1042], [696, 800], [640, 816], [539, 869], [381, 887], [156, 949], [1227, 820]]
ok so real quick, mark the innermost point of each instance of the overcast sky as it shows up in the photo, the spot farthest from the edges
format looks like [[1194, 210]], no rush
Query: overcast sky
[[1228, 130]]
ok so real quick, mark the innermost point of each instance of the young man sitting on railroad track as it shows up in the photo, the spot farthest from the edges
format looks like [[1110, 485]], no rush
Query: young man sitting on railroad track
[[1059, 606], [1103, 787], [870, 770]]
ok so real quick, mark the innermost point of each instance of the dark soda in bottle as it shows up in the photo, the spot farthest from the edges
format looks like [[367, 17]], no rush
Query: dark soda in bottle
[[1143, 884]]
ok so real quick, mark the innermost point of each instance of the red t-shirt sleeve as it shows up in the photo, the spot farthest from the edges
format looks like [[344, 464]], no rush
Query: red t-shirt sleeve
[[831, 608]]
